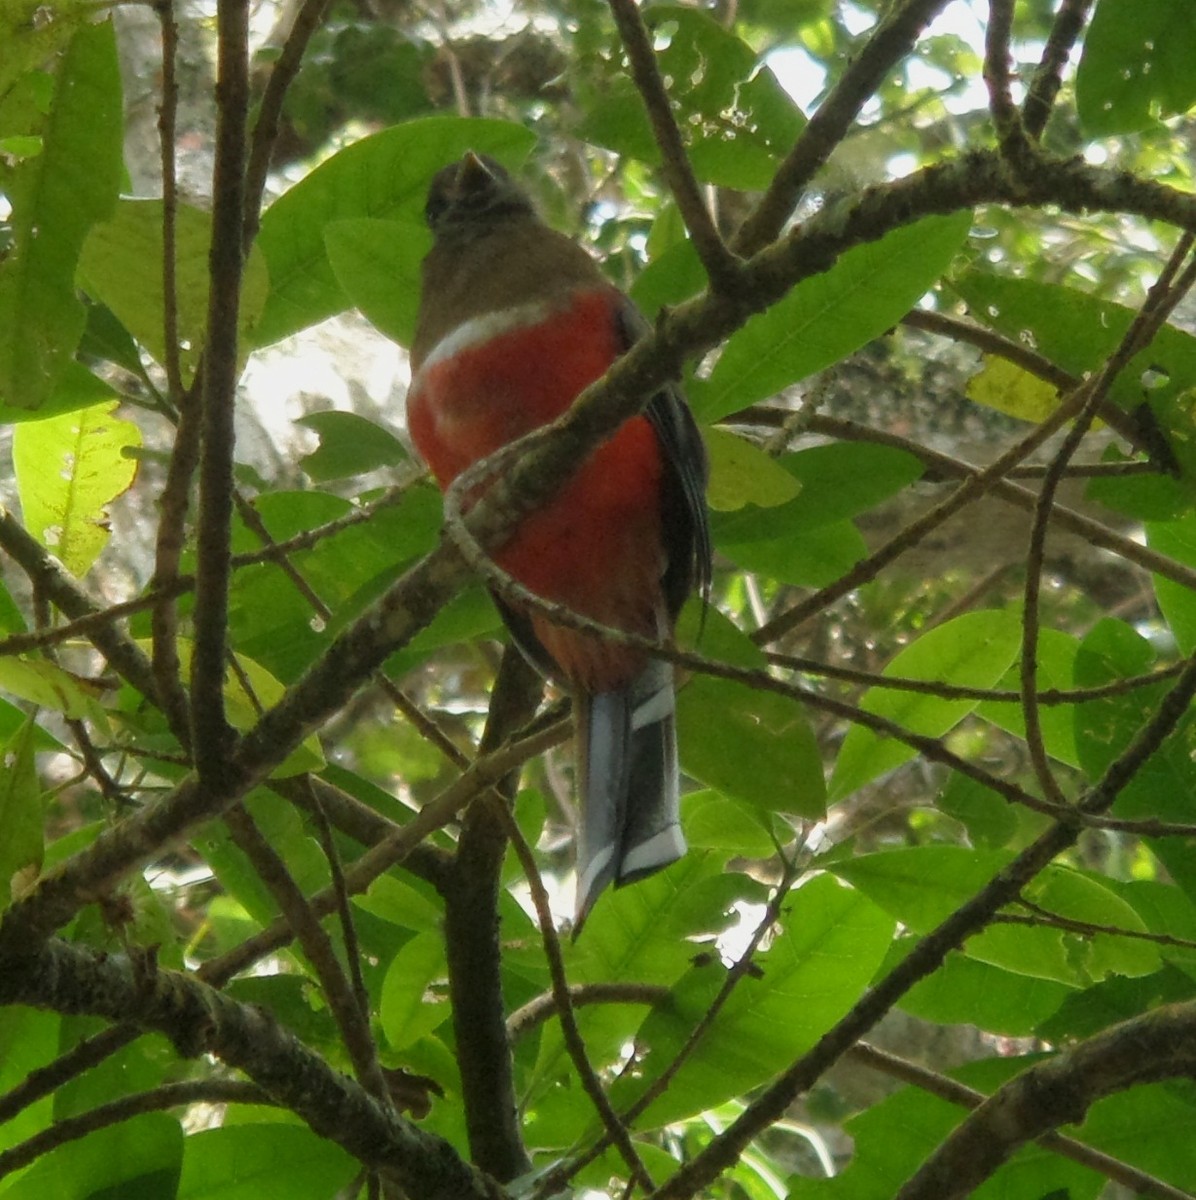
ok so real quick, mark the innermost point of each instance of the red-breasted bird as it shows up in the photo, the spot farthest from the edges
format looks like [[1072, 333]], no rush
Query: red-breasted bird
[[515, 320]]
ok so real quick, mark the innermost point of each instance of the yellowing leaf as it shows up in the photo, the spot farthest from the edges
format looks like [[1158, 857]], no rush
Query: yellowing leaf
[[1007, 388], [69, 468], [741, 473]]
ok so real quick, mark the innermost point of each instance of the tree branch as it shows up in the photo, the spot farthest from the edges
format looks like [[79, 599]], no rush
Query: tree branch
[[212, 736], [201, 1020], [1158, 1045]]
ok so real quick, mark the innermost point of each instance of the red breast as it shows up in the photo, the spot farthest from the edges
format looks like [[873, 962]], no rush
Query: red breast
[[498, 373]]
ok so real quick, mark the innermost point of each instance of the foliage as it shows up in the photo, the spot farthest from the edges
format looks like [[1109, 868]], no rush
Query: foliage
[[277, 831]]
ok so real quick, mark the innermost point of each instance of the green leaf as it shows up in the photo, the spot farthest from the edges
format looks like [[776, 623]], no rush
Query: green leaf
[[738, 118], [1056, 669], [1165, 785], [138, 1159], [1136, 66], [641, 933], [832, 943], [69, 468], [828, 316], [801, 555], [75, 388], [1077, 331], [741, 473], [988, 817], [1008, 388], [28, 1040], [121, 265], [247, 1162], [377, 264], [411, 1006], [21, 844], [921, 885], [1139, 1127], [754, 746], [386, 176], [1082, 897], [282, 825], [47, 685], [892, 1139], [964, 991], [713, 821], [56, 196], [1177, 540], [349, 445], [973, 650]]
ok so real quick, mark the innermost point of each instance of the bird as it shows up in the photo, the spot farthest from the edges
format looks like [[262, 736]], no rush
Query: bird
[[515, 319]]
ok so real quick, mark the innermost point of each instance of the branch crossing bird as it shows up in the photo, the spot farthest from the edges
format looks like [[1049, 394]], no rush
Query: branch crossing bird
[[515, 321]]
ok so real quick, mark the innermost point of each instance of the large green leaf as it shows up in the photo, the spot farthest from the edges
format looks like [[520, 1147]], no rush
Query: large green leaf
[[56, 196], [752, 745], [377, 265], [738, 119], [973, 650], [383, 176], [742, 473], [1165, 785], [808, 541], [121, 265], [248, 1162], [1077, 331], [1136, 67], [966, 991], [28, 1040], [828, 316], [69, 468], [408, 1007], [139, 1159], [833, 941], [1056, 669]]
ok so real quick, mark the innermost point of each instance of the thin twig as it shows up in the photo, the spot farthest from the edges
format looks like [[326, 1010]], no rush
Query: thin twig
[[301, 916], [616, 1131], [722, 267], [168, 1095], [265, 129], [891, 40]]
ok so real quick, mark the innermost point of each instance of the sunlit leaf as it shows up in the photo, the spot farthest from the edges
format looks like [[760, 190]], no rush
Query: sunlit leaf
[[69, 469], [741, 473], [121, 265], [828, 316], [973, 650]]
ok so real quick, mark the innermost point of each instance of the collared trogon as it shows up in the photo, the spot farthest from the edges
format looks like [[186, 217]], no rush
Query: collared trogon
[[515, 320]]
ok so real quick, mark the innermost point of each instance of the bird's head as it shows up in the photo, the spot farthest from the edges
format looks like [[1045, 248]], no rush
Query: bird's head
[[473, 195]]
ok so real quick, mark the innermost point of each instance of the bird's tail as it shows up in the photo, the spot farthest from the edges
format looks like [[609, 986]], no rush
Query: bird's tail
[[627, 768]]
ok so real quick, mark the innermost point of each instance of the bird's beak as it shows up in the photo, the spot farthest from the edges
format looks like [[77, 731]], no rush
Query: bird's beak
[[472, 174]]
